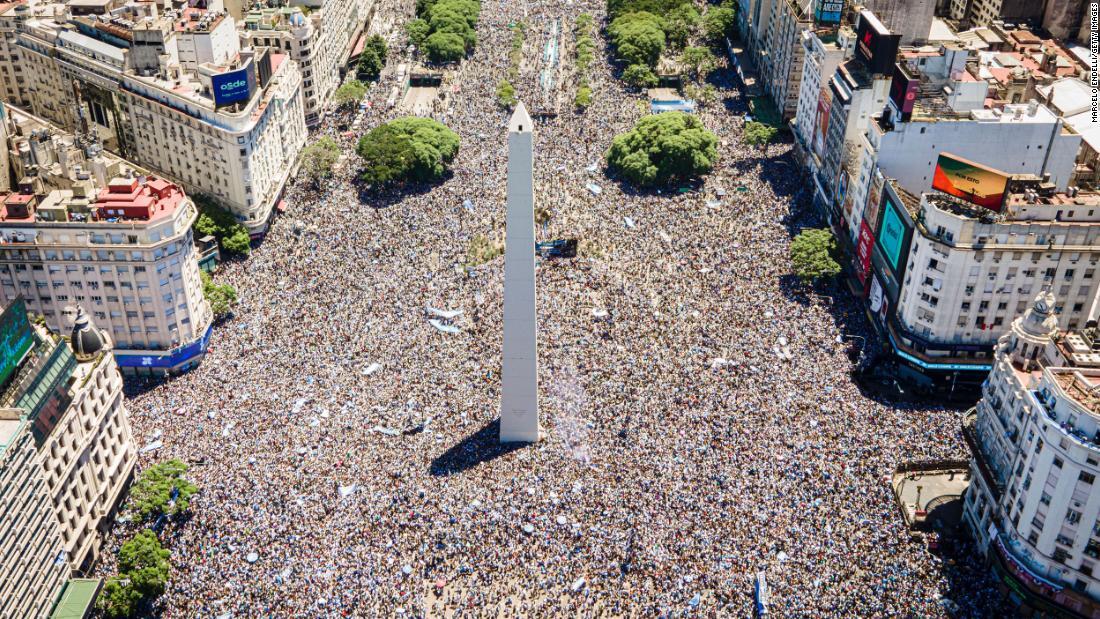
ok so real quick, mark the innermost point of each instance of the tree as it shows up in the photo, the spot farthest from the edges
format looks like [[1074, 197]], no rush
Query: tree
[[718, 24], [640, 76], [698, 61], [506, 94], [319, 157], [349, 94], [370, 65], [222, 297], [162, 489], [758, 134], [583, 97], [417, 30], [663, 149], [444, 47], [639, 38], [119, 598], [454, 23], [681, 24], [813, 255], [213, 220], [378, 44], [418, 149]]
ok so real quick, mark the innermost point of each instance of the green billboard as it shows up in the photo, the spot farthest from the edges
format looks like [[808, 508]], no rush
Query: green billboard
[[16, 338]]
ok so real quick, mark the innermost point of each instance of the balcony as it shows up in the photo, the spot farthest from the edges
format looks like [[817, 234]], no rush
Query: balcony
[[970, 435]]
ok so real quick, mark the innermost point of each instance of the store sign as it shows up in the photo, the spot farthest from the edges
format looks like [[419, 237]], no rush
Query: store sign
[[233, 86]]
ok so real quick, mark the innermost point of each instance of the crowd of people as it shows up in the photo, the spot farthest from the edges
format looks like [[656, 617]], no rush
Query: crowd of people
[[700, 421]]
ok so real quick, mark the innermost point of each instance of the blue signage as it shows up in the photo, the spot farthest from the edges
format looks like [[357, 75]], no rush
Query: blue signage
[[171, 359], [234, 86], [891, 234], [829, 11]]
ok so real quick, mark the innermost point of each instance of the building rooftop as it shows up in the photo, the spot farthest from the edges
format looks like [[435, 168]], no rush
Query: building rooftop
[[11, 421], [77, 597], [1082, 386]]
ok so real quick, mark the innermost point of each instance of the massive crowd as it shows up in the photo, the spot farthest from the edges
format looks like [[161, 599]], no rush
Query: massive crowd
[[350, 445]]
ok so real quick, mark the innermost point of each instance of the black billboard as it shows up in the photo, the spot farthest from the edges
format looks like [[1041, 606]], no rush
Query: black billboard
[[903, 92], [876, 47]]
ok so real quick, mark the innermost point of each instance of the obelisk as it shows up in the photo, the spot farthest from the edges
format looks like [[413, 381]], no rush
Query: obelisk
[[519, 401]]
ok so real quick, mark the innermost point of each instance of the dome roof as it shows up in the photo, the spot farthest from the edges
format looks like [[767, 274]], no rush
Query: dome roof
[[86, 340], [297, 19], [1040, 320]]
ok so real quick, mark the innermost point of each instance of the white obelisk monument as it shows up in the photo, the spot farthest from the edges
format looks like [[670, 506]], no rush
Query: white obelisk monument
[[519, 402]]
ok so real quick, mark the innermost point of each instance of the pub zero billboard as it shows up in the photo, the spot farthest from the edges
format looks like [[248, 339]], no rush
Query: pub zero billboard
[[876, 46], [969, 181], [234, 86]]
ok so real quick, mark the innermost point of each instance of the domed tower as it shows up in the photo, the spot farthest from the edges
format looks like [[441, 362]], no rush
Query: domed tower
[[1032, 332], [86, 340]]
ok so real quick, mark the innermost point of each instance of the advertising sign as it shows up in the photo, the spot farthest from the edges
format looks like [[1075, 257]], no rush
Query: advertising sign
[[16, 338], [903, 92], [821, 127], [829, 11], [876, 46], [874, 199], [891, 233], [973, 182], [234, 86], [863, 252]]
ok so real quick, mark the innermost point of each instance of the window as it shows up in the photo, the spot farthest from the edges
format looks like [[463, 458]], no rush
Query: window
[[1073, 516], [1060, 555], [1045, 499]]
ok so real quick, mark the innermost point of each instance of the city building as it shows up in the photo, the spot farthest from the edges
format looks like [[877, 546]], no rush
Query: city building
[[1071, 98], [171, 91], [823, 51], [985, 12], [781, 53], [912, 19], [1067, 20], [319, 42], [945, 272], [67, 456], [81, 227], [1031, 504]]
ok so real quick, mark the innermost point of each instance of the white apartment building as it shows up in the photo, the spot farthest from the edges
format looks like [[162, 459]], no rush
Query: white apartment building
[[93, 232], [67, 456], [781, 53], [1032, 504], [971, 271], [163, 101], [823, 53], [319, 43], [1019, 139], [32, 565]]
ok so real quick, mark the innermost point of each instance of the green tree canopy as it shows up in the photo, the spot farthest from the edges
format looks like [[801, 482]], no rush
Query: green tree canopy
[[813, 255], [615, 8], [639, 38], [417, 31], [719, 23], [663, 149], [445, 47], [214, 220], [467, 10], [640, 76], [378, 44], [681, 24], [409, 148], [370, 65], [151, 494], [222, 297], [143, 573], [119, 598], [698, 61], [350, 94], [319, 157], [757, 134], [506, 94]]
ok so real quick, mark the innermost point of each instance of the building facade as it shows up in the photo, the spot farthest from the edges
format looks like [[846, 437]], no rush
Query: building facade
[[1031, 503], [82, 228], [172, 92], [68, 455]]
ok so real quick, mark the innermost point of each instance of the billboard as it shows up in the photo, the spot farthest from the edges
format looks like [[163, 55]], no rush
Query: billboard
[[891, 234], [234, 86], [876, 46], [16, 338], [829, 11], [874, 199], [973, 182], [863, 252], [821, 127], [903, 92]]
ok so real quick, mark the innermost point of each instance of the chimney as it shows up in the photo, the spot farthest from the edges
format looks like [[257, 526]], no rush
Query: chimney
[[1032, 107]]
